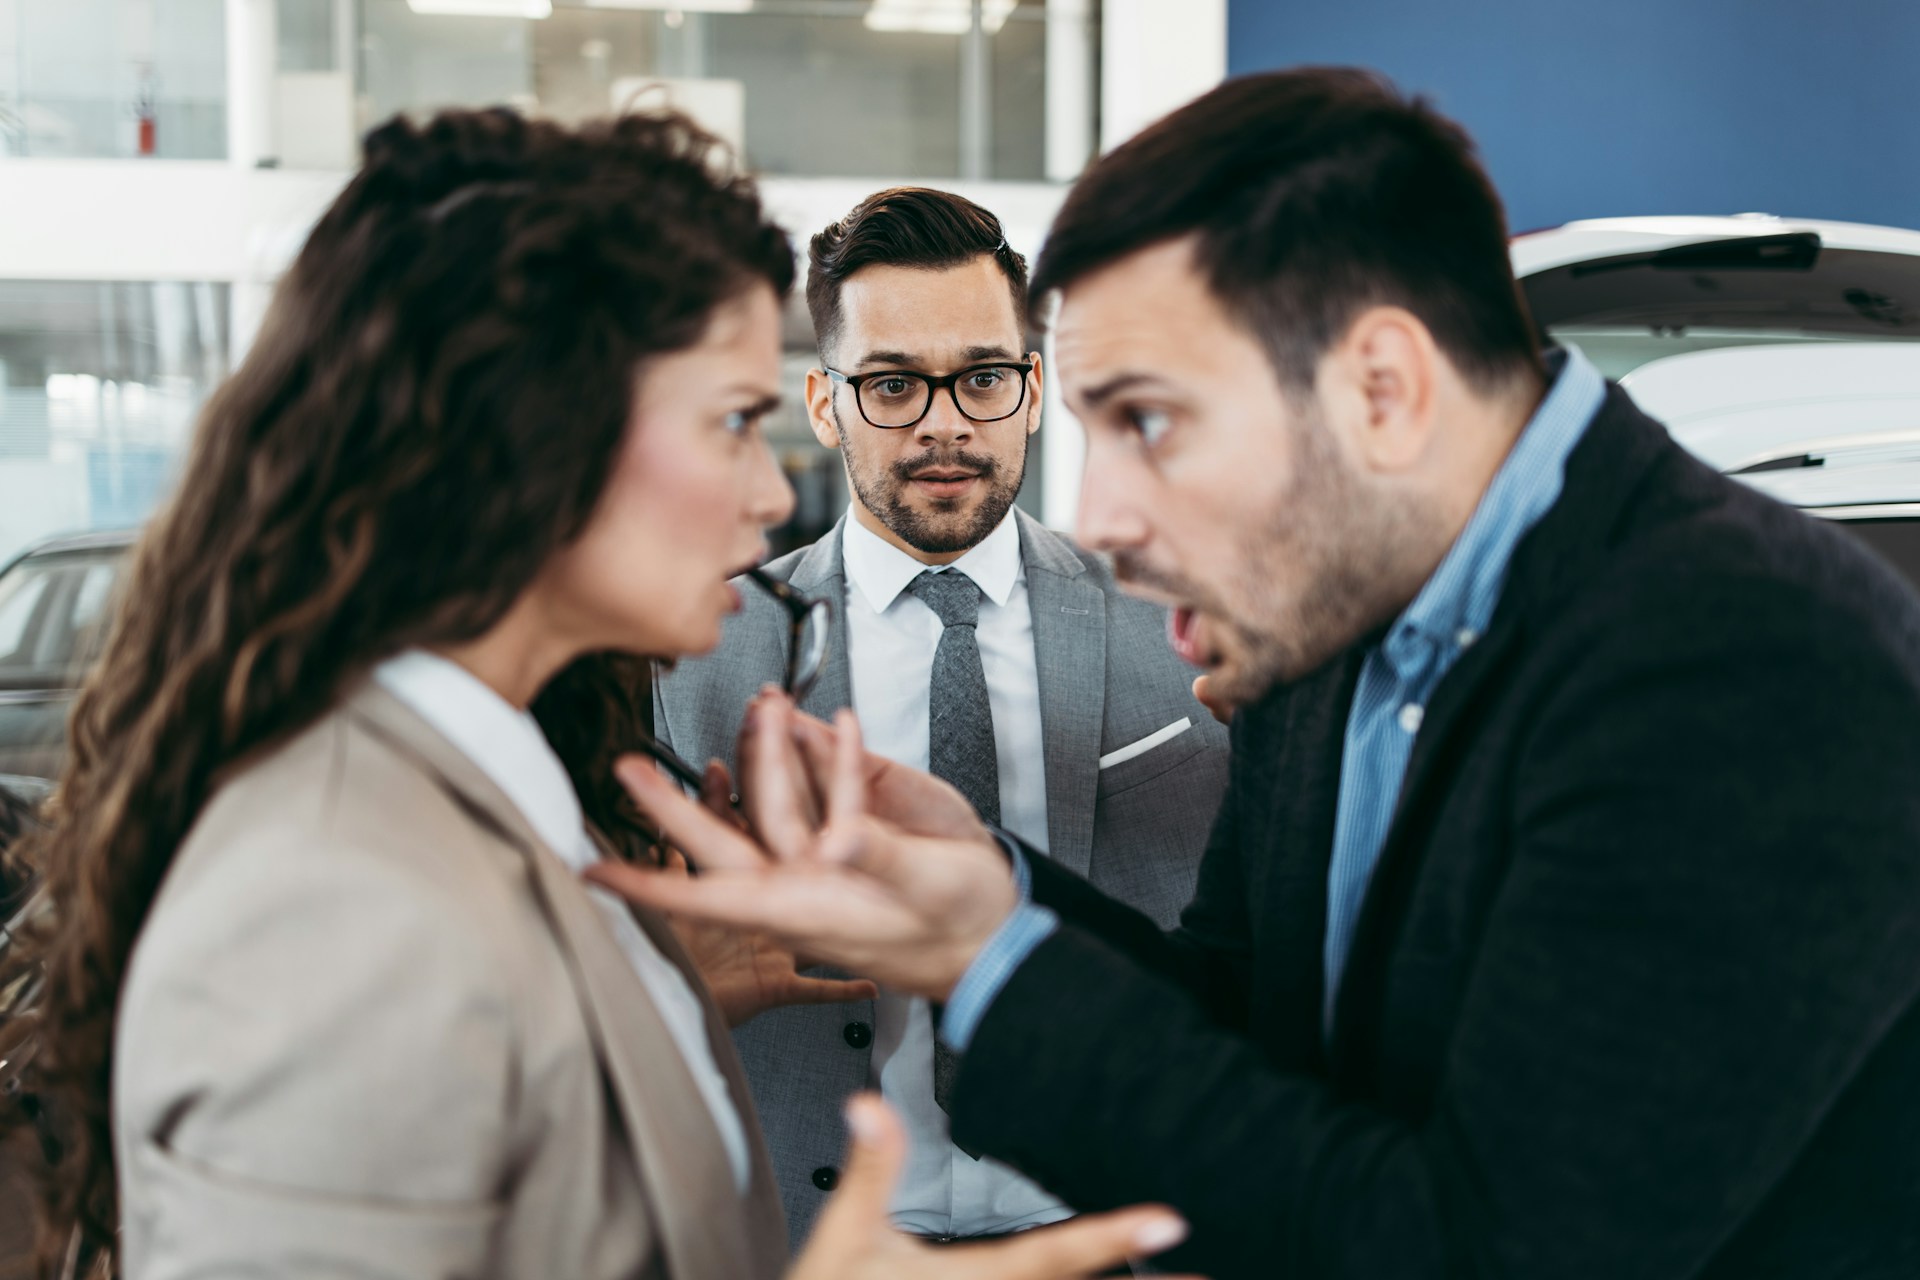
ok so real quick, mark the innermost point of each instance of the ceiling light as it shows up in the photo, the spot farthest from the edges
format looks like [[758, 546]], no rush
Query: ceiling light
[[676, 6], [937, 17], [483, 8]]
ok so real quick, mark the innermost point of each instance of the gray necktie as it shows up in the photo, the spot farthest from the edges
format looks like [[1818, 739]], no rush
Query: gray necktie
[[959, 717], [960, 745]]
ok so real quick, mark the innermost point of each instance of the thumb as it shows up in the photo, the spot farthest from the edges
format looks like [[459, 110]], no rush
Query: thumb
[[875, 1154]]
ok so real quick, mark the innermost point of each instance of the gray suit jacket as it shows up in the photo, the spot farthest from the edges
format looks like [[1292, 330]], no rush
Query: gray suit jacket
[[1107, 680], [374, 1027]]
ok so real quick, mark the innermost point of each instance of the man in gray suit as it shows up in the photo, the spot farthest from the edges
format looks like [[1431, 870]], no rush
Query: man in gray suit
[[971, 641]]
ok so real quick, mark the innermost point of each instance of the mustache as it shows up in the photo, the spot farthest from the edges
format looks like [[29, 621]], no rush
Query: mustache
[[1129, 566], [982, 464]]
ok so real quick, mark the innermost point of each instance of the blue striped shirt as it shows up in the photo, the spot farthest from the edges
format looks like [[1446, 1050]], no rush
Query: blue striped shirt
[[1452, 610]]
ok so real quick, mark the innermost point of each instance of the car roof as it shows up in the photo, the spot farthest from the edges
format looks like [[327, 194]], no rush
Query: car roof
[[94, 540], [1535, 251], [1833, 427]]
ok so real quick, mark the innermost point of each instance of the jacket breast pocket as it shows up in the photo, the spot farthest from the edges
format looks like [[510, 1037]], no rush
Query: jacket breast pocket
[[1148, 757]]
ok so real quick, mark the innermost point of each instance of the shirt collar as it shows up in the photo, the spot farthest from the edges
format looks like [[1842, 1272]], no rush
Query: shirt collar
[[1457, 603], [504, 741], [882, 571]]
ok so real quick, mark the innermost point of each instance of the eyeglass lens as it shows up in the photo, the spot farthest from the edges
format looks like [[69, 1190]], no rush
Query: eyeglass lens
[[985, 394]]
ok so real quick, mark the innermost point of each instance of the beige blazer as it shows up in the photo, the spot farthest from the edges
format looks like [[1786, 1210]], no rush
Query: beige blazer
[[374, 1028]]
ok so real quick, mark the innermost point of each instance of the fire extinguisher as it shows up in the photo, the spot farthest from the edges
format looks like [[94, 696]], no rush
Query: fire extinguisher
[[143, 110]]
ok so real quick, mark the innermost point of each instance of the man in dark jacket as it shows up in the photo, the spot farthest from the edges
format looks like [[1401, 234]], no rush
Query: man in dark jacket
[[1562, 919]]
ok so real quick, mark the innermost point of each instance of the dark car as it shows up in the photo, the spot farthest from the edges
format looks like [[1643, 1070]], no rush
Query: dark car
[[54, 606]]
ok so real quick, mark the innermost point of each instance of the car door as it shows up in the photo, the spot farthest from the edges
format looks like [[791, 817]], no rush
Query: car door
[[53, 609]]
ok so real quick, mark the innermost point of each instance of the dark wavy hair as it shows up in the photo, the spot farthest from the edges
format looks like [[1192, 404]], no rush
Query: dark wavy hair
[[430, 412]]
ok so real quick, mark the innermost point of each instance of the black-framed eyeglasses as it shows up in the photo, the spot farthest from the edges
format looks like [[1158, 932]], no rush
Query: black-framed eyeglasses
[[811, 626], [896, 398]]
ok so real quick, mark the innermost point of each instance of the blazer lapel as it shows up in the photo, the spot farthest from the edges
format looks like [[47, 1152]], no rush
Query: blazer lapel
[[768, 1237], [822, 572], [684, 1167], [1070, 659]]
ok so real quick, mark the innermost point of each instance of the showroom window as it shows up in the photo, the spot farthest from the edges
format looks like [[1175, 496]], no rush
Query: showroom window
[[113, 78], [894, 88], [100, 384]]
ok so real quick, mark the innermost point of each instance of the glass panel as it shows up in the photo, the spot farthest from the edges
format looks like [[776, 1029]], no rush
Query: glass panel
[[99, 387], [817, 88], [104, 78], [22, 593]]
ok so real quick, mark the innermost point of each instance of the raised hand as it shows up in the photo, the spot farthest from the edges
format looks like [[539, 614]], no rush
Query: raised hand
[[854, 1239], [1221, 709], [820, 871]]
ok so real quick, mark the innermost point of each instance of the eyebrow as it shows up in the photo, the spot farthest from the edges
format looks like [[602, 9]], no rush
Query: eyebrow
[[910, 360], [766, 403], [1095, 396]]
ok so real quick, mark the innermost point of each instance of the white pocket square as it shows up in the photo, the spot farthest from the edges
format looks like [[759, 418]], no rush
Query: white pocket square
[[1146, 744]]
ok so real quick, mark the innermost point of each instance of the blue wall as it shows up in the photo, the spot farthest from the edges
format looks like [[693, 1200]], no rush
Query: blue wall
[[1610, 107]]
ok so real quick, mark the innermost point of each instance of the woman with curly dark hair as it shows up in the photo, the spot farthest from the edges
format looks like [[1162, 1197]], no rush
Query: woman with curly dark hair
[[323, 993]]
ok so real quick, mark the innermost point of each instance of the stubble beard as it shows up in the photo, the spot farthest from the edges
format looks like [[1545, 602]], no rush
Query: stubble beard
[[882, 489], [1350, 549]]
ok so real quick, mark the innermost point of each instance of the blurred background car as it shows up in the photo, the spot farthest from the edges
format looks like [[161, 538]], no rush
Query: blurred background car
[[1784, 352], [54, 605]]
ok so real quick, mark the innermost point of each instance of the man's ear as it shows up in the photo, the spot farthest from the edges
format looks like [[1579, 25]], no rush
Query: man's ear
[[1036, 385], [820, 408], [1384, 371]]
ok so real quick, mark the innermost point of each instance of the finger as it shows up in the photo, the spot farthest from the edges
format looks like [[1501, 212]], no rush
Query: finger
[[674, 862], [764, 904], [777, 799], [1203, 694], [856, 1216], [1083, 1246], [718, 794], [830, 990], [819, 744], [706, 841], [846, 792]]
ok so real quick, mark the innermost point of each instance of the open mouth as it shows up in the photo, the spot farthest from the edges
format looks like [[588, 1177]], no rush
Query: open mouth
[[1183, 633]]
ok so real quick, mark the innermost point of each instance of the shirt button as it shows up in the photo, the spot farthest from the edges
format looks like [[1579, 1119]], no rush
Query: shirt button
[[1465, 636], [858, 1034], [1410, 717], [826, 1177]]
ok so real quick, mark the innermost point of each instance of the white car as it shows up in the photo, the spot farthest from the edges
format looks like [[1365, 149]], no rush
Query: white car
[[1782, 351]]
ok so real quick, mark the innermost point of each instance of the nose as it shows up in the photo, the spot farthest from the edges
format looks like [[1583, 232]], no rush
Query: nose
[[1111, 516], [770, 498], [944, 424]]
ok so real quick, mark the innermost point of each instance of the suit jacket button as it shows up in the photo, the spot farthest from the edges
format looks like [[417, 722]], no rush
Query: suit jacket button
[[826, 1177], [858, 1034]]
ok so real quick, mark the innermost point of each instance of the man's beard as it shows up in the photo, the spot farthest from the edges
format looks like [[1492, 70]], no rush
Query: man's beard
[[948, 528], [1345, 547]]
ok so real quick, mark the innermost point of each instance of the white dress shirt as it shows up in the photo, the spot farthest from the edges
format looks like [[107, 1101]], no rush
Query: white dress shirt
[[508, 746], [891, 638]]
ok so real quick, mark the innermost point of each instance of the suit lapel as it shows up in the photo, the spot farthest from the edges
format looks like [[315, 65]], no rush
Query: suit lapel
[[1070, 660], [699, 1218], [822, 572]]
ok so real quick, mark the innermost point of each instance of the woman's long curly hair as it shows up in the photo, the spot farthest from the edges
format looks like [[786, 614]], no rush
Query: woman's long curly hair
[[430, 412]]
